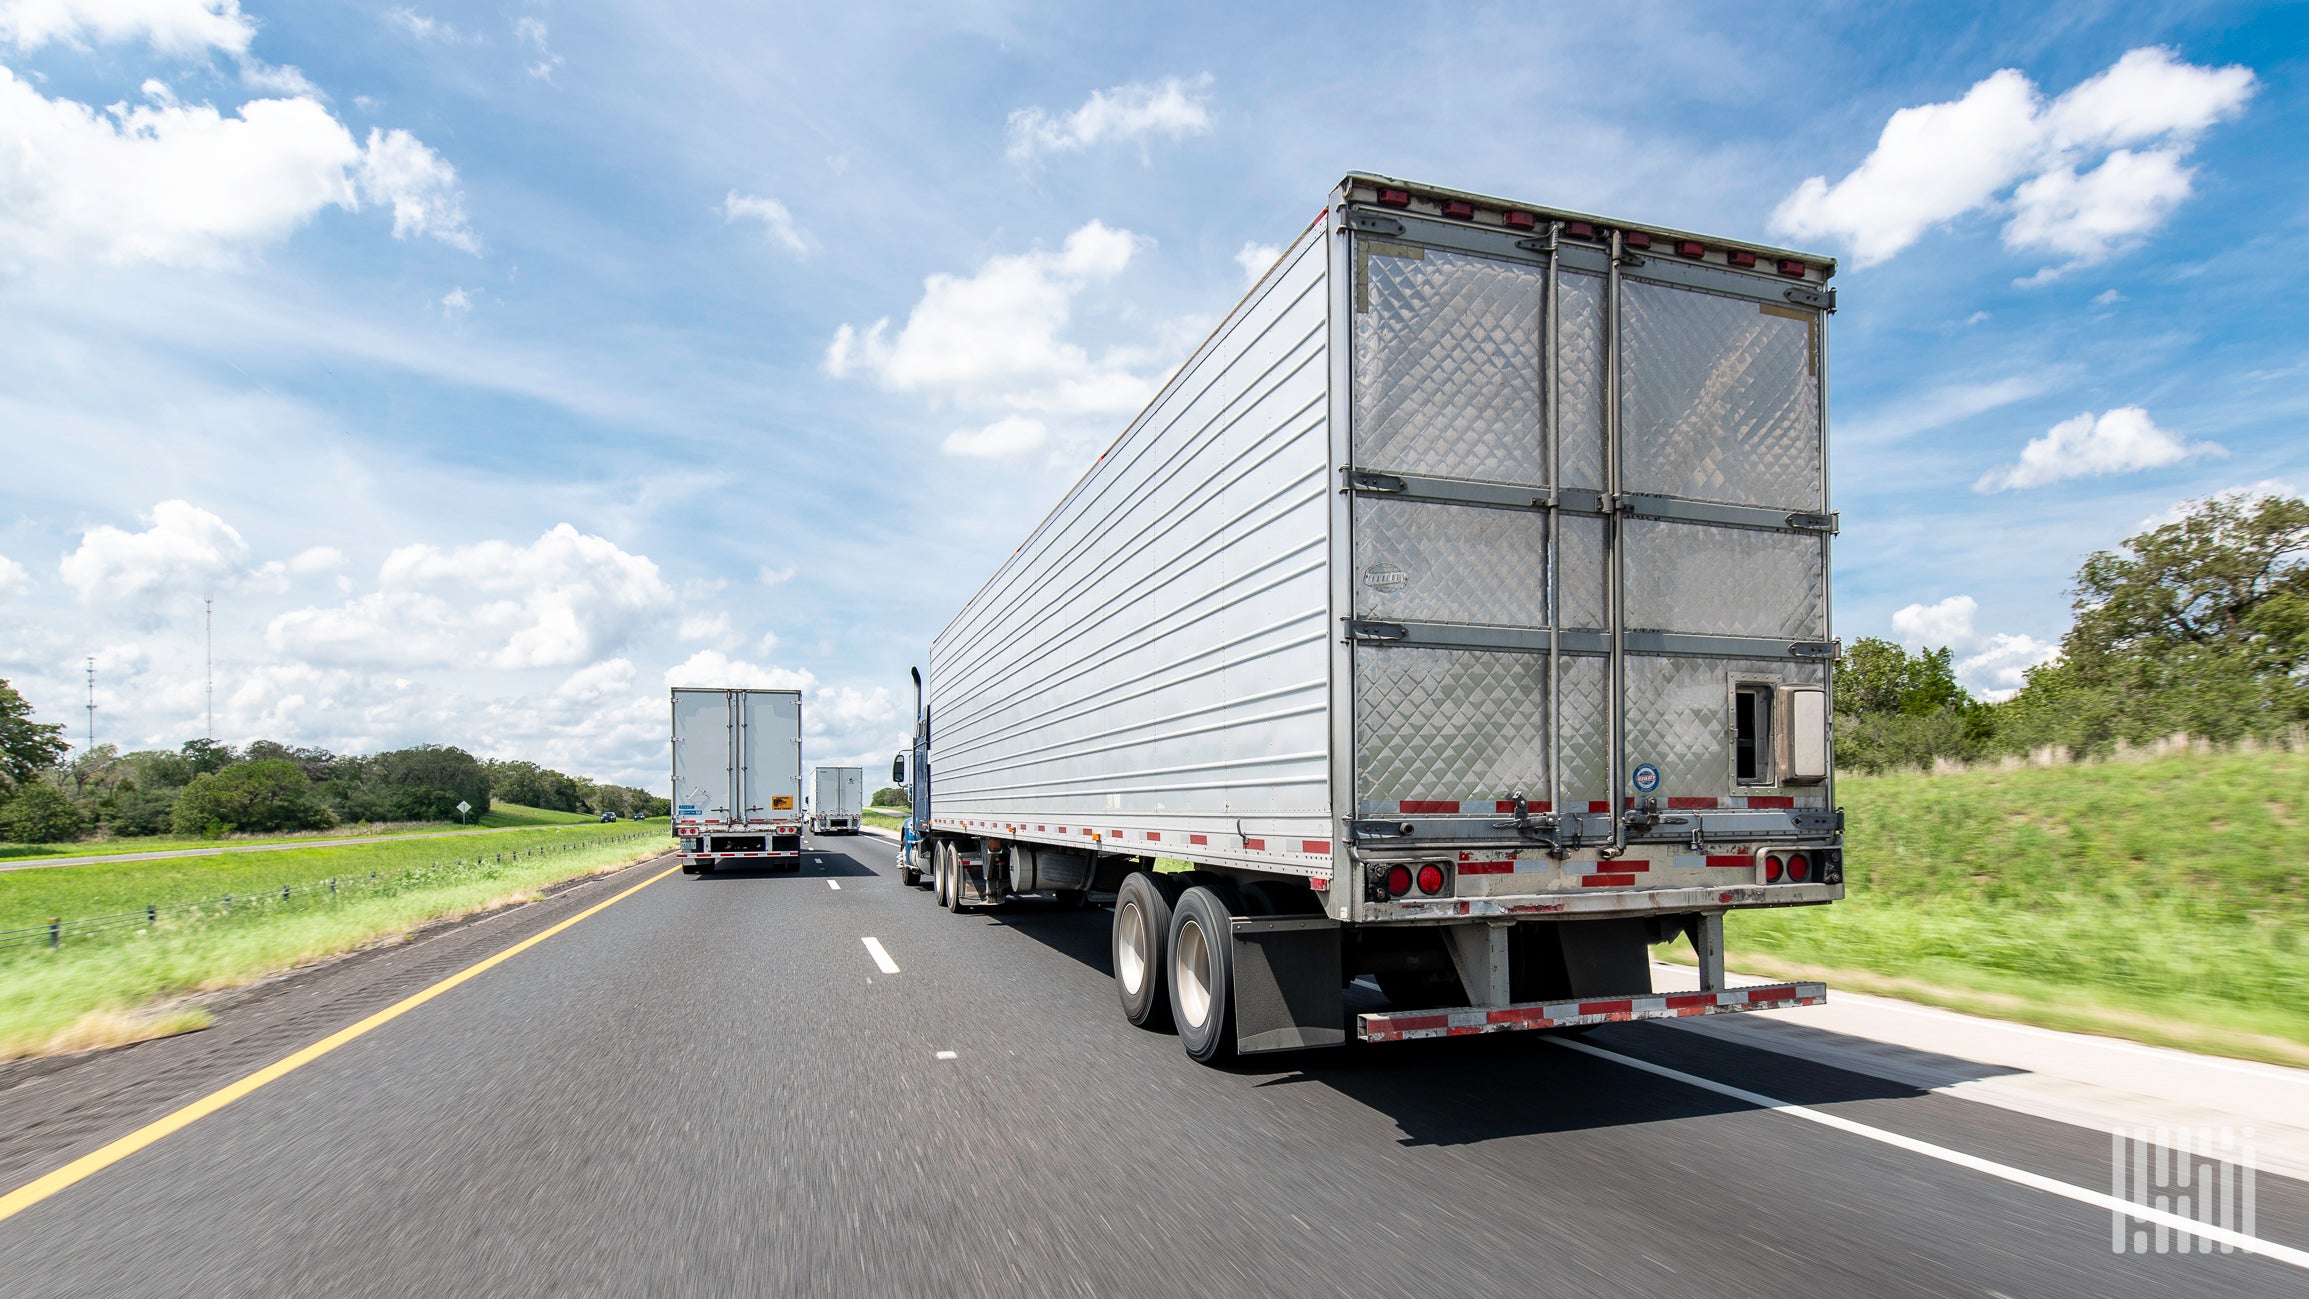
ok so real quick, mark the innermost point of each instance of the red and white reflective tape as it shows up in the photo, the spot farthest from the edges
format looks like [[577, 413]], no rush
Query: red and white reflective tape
[[1406, 1025]]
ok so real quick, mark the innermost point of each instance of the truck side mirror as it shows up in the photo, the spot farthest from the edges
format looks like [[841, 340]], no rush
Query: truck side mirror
[[898, 770], [1803, 735]]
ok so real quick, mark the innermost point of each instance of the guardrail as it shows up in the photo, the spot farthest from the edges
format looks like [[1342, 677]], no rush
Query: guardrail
[[230, 906]]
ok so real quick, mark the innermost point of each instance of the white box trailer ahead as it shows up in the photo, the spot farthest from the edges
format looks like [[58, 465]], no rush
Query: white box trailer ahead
[[1459, 611], [837, 799], [737, 778]]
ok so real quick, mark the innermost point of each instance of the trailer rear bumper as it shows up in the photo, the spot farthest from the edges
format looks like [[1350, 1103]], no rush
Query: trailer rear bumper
[[1403, 1026]]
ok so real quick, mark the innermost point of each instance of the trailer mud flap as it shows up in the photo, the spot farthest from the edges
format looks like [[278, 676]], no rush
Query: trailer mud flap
[[1287, 985]]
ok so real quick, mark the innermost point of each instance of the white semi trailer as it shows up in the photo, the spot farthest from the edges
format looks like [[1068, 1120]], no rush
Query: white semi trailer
[[837, 799], [1458, 613], [737, 778]]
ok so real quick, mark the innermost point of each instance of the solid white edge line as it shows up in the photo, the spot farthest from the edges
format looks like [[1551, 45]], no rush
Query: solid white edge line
[[881, 957], [835, 885], [2017, 1176]]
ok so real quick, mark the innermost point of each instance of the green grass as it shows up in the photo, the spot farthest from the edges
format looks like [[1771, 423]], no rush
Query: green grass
[[501, 816], [883, 818], [2160, 898], [114, 988]]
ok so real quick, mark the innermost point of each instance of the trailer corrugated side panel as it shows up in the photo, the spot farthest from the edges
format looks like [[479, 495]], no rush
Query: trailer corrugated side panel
[[1151, 664]]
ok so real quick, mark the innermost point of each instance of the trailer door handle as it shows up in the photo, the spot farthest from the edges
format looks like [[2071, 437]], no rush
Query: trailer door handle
[[1363, 480], [1365, 629]]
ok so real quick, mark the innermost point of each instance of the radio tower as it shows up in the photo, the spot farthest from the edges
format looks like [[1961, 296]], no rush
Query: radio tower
[[208, 632], [92, 704]]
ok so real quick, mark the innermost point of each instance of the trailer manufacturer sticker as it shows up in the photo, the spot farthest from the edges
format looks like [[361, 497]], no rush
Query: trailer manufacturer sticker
[[1645, 779]]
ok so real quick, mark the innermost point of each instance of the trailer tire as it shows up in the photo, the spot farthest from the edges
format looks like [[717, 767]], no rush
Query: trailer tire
[[1140, 948], [909, 877], [940, 866], [1202, 975], [955, 875]]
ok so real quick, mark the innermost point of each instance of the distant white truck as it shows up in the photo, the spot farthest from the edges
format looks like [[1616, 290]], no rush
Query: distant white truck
[[837, 797], [737, 778]]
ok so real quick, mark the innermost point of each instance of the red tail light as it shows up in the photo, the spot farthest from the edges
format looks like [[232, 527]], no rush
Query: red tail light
[[1459, 211], [1431, 879], [1772, 869], [1395, 197], [1799, 866], [1398, 881]]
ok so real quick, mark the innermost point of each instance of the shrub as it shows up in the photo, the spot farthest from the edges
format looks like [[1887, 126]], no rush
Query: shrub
[[39, 813], [138, 812], [267, 795], [890, 796]]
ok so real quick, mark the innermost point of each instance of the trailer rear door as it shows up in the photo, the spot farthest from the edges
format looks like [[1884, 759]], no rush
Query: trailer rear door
[[704, 768], [770, 753]]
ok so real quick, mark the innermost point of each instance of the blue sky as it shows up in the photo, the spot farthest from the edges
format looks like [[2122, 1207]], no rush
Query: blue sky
[[489, 364]]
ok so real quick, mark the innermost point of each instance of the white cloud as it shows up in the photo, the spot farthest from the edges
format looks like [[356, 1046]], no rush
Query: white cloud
[[184, 549], [531, 32], [768, 643], [1255, 259], [776, 576], [711, 629], [776, 221], [425, 28], [1174, 107], [2121, 441], [710, 667], [170, 26], [13, 579], [1913, 413], [316, 559], [994, 339], [2107, 298], [185, 184], [1937, 162], [2241, 494], [1012, 435], [1991, 665], [566, 598], [456, 303]]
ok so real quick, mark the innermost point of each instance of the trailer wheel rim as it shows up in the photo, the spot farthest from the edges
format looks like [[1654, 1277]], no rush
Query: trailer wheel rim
[[1130, 957], [1194, 973]]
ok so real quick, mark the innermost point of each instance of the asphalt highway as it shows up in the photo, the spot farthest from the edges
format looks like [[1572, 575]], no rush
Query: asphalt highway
[[716, 1086]]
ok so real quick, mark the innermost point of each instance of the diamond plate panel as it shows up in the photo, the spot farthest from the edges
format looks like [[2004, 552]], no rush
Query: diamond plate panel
[[1583, 570], [1438, 723], [1450, 563], [1689, 577], [1679, 717], [1720, 399], [1579, 384], [1447, 372], [1586, 732]]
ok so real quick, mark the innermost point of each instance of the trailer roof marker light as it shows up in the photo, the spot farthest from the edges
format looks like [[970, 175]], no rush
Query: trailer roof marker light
[[1793, 269], [1635, 239], [1691, 248], [1395, 197], [1579, 229], [1520, 220], [1741, 257], [1459, 209]]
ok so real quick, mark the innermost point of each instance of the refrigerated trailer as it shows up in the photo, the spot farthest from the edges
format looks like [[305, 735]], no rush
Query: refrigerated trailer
[[1458, 614], [837, 798], [737, 778]]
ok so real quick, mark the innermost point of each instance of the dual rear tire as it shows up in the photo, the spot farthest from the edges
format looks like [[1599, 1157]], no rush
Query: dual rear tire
[[1173, 949]]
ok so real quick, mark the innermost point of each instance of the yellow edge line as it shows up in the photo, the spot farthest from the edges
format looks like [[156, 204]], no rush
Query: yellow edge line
[[33, 1192]]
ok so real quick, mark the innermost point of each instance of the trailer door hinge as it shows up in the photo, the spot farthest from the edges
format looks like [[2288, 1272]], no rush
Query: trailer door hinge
[[1363, 480], [1817, 649], [1814, 522], [1824, 299], [1359, 830], [1366, 629], [1372, 222]]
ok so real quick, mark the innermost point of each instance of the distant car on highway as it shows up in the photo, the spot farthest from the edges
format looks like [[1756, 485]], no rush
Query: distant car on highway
[[609, 816]]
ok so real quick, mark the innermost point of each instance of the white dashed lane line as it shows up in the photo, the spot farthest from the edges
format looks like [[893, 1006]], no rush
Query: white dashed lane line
[[835, 885], [881, 957]]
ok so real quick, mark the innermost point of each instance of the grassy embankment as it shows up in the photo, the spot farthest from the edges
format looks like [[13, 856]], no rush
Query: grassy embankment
[[502, 816], [2159, 898], [117, 987], [883, 818]]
